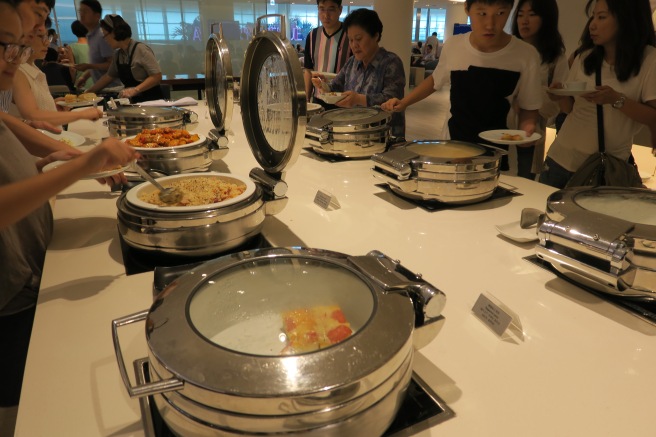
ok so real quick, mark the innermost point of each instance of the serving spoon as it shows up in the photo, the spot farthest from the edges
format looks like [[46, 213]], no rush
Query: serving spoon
[[166, 195]]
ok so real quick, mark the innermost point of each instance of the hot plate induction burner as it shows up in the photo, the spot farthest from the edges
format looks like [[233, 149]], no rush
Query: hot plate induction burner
[[434, 205], [641, 308], [140, 261], [421, 409]]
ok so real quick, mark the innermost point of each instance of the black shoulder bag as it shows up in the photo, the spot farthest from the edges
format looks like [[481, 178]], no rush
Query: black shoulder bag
[[602, 169]]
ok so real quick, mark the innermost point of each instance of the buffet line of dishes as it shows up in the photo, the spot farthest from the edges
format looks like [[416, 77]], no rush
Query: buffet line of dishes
[[603, 238]]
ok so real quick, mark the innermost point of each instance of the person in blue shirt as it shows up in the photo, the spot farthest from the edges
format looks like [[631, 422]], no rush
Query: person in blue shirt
[[372, 75]]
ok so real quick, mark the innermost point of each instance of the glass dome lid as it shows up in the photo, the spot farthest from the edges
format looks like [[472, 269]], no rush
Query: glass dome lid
[[273, 103], [633, 206], [285, 306], [278, 320]]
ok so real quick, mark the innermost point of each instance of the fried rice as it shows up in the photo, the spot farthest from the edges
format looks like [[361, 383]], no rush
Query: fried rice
[[197, 191]]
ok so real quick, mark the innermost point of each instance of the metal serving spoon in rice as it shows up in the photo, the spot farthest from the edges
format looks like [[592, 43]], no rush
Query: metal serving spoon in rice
[[166, 195]]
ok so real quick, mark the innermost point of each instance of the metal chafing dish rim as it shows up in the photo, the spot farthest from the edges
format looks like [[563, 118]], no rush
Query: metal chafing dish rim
[[388, 311], [218, 54], [608, 253], [378, 120]]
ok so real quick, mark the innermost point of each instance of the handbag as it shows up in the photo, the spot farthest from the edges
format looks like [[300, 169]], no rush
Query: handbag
[[602, 169]]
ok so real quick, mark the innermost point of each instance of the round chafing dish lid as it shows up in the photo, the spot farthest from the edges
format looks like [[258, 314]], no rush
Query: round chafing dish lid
[[254, 322], [219, 81], [348, 119], [273, 104], [146, 114], [633, 206]]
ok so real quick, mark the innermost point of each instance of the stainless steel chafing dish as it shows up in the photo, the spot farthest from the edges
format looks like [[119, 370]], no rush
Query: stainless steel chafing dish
[[350, 132], [604, 238], [272, 76], [219, 342], [445, 171], [128, 121]]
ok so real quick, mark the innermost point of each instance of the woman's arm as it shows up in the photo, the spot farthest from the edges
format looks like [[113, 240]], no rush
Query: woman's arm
[[34, 141], [151, 81], [28, 108], [420, 92], [101, 83], [644, 113], [19, 199]]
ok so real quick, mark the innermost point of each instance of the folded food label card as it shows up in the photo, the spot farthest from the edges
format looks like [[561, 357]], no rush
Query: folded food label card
[[326, 200], [497, 316]]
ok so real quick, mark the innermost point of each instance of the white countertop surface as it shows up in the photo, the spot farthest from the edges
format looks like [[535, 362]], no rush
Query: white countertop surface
[[584, 367]]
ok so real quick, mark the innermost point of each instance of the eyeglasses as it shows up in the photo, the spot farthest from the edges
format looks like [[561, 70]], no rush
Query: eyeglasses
[[15, 52], [46, 39]]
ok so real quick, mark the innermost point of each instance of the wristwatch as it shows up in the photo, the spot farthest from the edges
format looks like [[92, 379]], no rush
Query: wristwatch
[[619, 102]]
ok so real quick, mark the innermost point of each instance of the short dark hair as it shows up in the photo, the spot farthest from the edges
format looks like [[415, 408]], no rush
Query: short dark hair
[[470, 3], [78, 29], [115, 24], [94, 5], [49, 3], [337, 2], [366, 19]]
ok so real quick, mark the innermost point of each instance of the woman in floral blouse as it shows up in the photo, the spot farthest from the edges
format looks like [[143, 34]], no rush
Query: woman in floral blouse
[[372, 75]]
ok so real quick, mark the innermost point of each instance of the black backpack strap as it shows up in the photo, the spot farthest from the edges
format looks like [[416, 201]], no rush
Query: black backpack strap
[[600, 114]]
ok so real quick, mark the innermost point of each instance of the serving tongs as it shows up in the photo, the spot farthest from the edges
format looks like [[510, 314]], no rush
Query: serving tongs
[[166, 195]]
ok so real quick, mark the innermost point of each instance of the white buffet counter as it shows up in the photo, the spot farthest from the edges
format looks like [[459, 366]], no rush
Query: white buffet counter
[[584, 367]]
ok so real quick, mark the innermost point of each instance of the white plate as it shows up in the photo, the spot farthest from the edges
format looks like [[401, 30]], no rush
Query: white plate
[[494, 136], [566, 92], [313, 106], [515, 232], [102, 174], [326, 75], [201, 139], [80, 104], [70, 138], [132, 195], [331, 98]]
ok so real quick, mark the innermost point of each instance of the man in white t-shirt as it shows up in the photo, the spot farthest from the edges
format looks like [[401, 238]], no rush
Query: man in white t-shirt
[[488, 70]]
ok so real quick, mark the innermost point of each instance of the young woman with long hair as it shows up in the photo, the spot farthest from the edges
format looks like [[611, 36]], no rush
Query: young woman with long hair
[[536, 22], [621, 40]]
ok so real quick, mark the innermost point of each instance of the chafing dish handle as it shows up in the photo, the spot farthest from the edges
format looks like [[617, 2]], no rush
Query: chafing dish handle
[[277, 188], [150, 388]]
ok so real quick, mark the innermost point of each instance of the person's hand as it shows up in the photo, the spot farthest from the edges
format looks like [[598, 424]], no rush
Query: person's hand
[[60, 107], [393, 105], [44, 125], [603, 95], [109, 154], [128, 93], [349, 100], [60, 155], [91, 113], [320, 83]]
